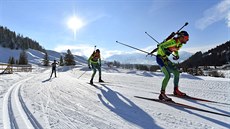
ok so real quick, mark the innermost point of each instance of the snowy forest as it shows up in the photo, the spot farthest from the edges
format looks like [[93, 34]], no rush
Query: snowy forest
[[217, 56], [9, 39]]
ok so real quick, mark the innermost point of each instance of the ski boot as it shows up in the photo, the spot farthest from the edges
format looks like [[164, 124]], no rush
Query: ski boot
[[177, 92], [100, 80], [163, 96], [91, 81]]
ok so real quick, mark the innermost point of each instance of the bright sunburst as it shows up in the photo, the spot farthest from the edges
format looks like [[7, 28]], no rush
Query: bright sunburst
[[75, 23]]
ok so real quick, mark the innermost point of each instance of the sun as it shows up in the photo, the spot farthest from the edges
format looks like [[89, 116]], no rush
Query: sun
[[75, 23]]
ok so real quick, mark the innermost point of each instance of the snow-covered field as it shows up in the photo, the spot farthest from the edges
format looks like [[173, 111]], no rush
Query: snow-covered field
[[69, 102]]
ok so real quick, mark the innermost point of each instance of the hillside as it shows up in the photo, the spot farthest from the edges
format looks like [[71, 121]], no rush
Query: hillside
[[217, 56], [9, 39], [12, 44], [35, 56]]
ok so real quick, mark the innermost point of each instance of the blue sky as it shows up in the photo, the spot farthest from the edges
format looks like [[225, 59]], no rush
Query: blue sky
[[107, 21]]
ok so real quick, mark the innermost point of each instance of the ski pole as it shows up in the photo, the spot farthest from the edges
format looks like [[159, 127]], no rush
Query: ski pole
[[95, 48], [152, 37], [82, 75], [134, 48], [57, 71]]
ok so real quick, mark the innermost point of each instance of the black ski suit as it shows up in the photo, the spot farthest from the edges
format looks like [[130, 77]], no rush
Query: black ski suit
[[54, 64]]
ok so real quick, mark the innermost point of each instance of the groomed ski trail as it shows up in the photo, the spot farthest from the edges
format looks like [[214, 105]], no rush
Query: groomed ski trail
[[13, 97]]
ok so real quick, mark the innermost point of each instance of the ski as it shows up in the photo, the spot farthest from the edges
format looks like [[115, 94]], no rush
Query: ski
[[194, 98], [49, 79], [102, 82], [198, 99], [93, 85], [173, 103]]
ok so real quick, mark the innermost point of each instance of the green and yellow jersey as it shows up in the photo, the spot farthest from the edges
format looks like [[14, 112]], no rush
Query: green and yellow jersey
[[168, 47], [94, 59]]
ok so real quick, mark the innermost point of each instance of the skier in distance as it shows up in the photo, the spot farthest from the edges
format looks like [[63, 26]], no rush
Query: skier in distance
[[95, 61]]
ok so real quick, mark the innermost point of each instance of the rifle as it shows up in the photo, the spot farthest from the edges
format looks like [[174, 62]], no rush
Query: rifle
[[169, 37]]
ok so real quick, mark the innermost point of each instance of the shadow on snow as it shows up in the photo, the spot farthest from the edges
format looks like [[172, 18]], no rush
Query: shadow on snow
[[126, 109], [190, 111]]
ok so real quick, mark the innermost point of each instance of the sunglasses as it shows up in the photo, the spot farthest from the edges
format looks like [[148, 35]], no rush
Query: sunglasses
[[186, 38]]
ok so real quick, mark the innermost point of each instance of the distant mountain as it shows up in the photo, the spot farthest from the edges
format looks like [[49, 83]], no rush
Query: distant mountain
[[139, 58], [217, 56]]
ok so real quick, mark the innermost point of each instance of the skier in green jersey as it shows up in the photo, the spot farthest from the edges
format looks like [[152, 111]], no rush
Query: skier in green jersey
[[165, 49], [95, 61]]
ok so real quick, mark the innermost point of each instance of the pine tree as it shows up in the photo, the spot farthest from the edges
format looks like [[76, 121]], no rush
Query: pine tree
[[9, 39], [11, 45], [23, 60], [69, 58], [11, 60], [46, 59], [61, 61], [17, 62]]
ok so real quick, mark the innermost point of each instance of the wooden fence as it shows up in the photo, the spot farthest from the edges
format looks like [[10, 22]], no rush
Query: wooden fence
[[9, 68], [6, 68]]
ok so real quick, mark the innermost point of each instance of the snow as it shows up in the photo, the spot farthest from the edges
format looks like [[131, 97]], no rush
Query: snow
[[226, 73], [67, 102]]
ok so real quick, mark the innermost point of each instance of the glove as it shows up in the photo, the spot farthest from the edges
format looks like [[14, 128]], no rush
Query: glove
[[89, 67], [175, 57]]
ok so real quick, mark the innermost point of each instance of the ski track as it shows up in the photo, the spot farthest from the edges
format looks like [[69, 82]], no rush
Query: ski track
[[60, 105], [51, 105], [9, 117]]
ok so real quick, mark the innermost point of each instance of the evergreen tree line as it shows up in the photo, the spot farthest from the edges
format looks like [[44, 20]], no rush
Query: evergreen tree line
[[10, 39], [22, 60], [67, 60], [217, 56], [143, 67]]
